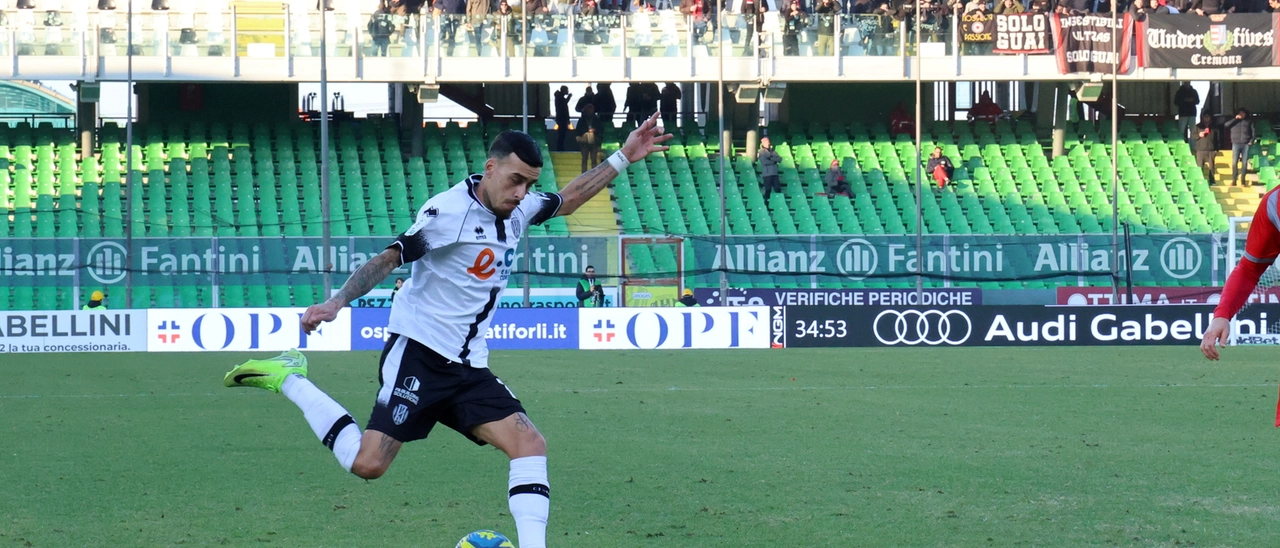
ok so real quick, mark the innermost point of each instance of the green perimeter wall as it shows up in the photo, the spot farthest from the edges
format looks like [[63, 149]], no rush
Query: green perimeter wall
[[270, 103], [866, 103]]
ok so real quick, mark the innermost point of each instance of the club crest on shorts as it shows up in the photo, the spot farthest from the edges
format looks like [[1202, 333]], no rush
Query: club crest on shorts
[[399, 415]]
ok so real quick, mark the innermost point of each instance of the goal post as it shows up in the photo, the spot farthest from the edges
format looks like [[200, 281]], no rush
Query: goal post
[[652, 270], [1237, 233]]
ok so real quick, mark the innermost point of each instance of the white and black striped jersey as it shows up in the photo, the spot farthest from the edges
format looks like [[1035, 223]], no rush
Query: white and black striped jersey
[[462, 256]]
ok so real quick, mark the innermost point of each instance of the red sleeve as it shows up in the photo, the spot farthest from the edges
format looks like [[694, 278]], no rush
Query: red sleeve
[[1260, 250]]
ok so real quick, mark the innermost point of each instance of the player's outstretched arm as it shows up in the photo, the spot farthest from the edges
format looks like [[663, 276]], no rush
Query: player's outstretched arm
[[644, 140], [361, 281]]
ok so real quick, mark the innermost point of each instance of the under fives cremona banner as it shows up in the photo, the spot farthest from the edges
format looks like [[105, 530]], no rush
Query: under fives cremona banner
[[1088, 43], [1230, 40]]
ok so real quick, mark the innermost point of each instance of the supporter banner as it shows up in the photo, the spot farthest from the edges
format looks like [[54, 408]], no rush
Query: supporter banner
[[233, 329], [840, 297], [1156, 295], [1083, 43], [1230, 40], [976, 27], [73, 331], [673, 328], [511, 329], [512, 297], [1022, 33], [1157, 259], [814, 326]]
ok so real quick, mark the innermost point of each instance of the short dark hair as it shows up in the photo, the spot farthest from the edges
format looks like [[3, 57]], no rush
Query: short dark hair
[[1243, 111], [519, 143], [590, 267]]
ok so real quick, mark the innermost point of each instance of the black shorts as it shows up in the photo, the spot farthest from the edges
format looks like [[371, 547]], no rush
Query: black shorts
[[419, 388]]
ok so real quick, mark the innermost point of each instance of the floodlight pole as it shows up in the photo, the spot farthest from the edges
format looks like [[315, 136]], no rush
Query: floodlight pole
[[128, 163], [724, 218], [1115, 159], [919, 169], [325, 203], [524, 119]]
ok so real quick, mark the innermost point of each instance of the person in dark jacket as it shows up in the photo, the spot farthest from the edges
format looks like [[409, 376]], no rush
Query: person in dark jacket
[[836, 183], [562, 115], [794, 21], [450, 14], [686, 299], [1187, 101], [1206, 7], [589, 293], [768, 169], [1240, 129], [606, 105], [1206, 146], [588, 98], [940, 168], [380, 28], [589, 135], [669, 105]]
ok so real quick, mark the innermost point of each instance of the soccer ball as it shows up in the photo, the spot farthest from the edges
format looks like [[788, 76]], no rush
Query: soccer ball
[[485, 539]]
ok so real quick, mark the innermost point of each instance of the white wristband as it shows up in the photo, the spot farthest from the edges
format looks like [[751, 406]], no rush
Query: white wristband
[[618, 161]]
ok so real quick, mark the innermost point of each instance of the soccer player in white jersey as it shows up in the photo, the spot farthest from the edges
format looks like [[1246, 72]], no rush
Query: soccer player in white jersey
[[434, 368]]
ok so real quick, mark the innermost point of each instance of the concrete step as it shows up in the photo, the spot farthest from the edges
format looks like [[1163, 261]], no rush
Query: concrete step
[[594, 218]]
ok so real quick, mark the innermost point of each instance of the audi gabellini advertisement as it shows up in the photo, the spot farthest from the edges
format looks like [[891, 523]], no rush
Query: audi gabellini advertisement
[[830, 326]]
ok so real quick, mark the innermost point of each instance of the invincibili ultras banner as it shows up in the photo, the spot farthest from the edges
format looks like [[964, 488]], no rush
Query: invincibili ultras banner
[[1084, 43]]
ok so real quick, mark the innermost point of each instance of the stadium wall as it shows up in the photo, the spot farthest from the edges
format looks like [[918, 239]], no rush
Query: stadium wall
[[932, 323]]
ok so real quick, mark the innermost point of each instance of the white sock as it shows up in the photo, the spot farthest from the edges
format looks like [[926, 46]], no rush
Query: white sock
[[331, 423], [530, 500]]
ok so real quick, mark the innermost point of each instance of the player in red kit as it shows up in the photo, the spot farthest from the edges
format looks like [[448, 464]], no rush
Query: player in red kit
[[1260, 250]]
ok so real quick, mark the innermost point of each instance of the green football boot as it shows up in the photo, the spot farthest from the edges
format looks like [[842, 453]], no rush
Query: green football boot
[[267, 374]]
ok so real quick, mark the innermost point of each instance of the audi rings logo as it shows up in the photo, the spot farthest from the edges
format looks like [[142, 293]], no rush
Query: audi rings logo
[[931, 327]]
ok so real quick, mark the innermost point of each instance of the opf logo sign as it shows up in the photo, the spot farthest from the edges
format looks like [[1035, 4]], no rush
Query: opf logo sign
[[931, 327], [106, 262], [675, 328], [857, 259], [1180, 257], [191, 330]]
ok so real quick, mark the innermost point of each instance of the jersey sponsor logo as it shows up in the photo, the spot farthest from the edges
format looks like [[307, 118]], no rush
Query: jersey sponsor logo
[[487, 264], [483, 266], [405, 395]]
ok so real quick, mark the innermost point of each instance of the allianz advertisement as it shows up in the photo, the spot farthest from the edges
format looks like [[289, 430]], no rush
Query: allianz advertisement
[[104, 263], [1184, 259]]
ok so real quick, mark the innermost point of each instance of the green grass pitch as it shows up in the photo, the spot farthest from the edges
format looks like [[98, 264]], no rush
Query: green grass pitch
[[911, 447]]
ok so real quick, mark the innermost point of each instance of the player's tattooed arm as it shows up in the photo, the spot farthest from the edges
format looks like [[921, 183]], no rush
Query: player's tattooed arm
[[367, 277], [584, 187]]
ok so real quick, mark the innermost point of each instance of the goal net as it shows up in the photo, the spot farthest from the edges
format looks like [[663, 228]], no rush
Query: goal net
[[652, 271]]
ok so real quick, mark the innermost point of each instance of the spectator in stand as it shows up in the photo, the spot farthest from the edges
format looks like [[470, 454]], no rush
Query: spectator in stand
[[978, 7], [670, 105], [589, 134], [1206, 7], [1187, 100], [794, 21], [768, 169], [753, 11], [827, 12], [1206, 146], [686, 298], [940, 168], [1075, 7], [562, 115], [1273, 6], [588, 98], [1240, 129], [900, 122], [1040, 6], [396, 289], [1140, 10], [632, 102], [513, 27], [836, 183], [380, 29], [649, 97], [697, 19], [588, 291], [985, 110], [1010, 7], [606, 106], [477, 13], [448, 13]]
